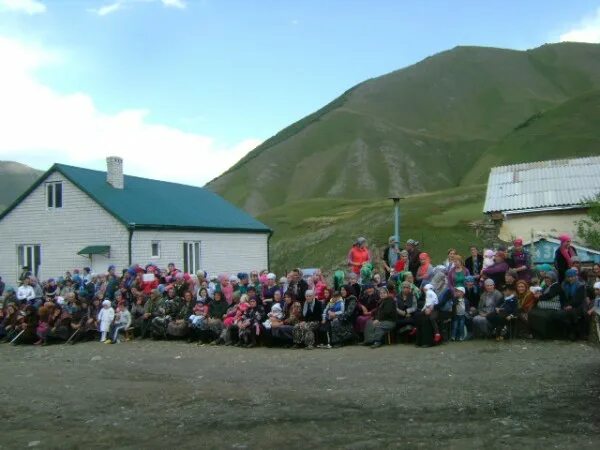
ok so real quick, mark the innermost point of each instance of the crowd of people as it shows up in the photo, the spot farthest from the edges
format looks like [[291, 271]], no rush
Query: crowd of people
[[496, 293]]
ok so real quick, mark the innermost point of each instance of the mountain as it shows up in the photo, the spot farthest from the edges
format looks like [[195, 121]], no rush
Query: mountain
[[14, 179], [435, 125], [568, 130]]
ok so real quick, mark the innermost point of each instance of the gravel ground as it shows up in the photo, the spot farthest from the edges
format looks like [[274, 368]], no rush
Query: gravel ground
[[145, 394]]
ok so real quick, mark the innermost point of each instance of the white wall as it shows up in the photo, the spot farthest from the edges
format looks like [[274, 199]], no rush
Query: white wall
[[220, 252], [552, 223], [62, 232]]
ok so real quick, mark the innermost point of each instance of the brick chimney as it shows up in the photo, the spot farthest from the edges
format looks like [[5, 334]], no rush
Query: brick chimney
[[114, 172]]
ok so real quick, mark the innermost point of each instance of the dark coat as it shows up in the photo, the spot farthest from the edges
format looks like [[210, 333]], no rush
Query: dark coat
[[315, 315]]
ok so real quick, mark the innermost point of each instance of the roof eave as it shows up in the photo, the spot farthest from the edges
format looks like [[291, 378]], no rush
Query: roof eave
[[202, 228]]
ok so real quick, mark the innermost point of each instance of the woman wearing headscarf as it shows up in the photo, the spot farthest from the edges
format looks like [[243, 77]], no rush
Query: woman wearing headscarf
[[525, 302], [563, 257], [543, 319], [342, 330], [367, 304], [520, 261]]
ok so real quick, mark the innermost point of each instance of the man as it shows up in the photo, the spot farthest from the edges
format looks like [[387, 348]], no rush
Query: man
[[390, 256], [412, 247], [2, 286], [572, 308], [25, 273], [474, 263], [304, 331], [298, 286], [385, 318], [25, 292]]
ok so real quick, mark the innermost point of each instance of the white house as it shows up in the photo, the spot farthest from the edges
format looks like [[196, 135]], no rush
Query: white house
[[73, 217], [541, 198]]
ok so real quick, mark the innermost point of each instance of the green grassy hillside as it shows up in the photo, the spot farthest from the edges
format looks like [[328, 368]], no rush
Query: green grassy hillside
[[319, 232], [570, 129], [419, 129], [14, 179]]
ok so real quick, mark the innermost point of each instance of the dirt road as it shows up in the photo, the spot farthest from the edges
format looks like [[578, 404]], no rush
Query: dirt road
[[146, 394]]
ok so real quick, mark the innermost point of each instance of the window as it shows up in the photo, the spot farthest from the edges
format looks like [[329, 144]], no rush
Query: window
[[155, 249], [191, 257], [54, 194], [29, 255]]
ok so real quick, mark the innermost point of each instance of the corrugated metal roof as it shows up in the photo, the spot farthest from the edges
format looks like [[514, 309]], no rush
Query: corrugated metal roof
[[559, 182]]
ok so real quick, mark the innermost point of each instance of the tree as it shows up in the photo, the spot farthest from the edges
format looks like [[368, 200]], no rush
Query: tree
[[588, 229]]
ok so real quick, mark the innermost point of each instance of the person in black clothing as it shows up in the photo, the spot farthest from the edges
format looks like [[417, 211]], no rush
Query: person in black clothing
[[390, 256], [412, 247], [298, 285], [304, 331], [563, 256], [384, 319], [572, 309], [474, 263], [544, 318]]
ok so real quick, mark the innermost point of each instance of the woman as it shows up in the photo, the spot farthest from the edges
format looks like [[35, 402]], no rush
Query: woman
[[425, 270], [406, 307], [544, 318], [474, 263], [497, 271], [458, 274], [563, 257], [358, 255], [137, 313], [367, 304], [525, 302], [283, 331], [8, 323], [489, 301], [520, 261], [384, 320], [342, 330]]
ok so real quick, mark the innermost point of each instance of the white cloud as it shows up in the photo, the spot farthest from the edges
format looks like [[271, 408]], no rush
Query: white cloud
[[107, 9], [180, 4], [40, 123], [121, 4], [30, 7], [588, 30]]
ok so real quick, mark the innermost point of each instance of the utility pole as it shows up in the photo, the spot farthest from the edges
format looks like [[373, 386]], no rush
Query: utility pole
[[396, 201]]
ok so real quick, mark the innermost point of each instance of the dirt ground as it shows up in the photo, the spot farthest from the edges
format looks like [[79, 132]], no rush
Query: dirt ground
[[145, 394]]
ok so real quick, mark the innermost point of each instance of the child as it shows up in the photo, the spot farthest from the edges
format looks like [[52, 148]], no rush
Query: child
[[122, 322], [43, 325], [488, 258], [431, 301], [105, 319], [198, 319], [460, 312], [275, 314], [333, 310]]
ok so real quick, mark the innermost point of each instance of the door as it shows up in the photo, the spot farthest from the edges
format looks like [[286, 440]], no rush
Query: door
[[29, 255], [191, 257]]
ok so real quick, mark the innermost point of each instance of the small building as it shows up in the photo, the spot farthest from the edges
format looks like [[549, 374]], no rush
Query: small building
[[73, 217], [544, 250], [544, 197]]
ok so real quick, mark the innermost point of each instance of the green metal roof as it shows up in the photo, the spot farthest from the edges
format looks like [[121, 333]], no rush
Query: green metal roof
[[146, 203], [95, 250]]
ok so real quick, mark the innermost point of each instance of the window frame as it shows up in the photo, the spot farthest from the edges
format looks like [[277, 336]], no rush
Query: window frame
[[54, 192], [152, 244]]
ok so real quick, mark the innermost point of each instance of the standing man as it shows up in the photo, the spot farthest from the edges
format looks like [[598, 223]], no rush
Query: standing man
[[390, 256], [474, 263], [412, 247]]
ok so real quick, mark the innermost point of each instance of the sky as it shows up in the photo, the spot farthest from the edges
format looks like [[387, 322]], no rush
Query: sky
[[182, 89]]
